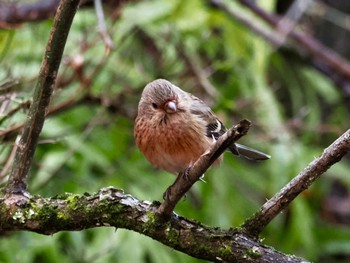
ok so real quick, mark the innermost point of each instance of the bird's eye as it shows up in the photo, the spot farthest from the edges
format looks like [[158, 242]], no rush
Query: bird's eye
[[155, 106]]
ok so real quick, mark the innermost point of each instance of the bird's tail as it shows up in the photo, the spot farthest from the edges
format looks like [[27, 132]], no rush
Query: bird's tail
[[249, 153]]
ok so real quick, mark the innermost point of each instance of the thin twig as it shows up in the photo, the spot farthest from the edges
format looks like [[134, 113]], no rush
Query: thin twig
[[185, 180], [318, 52], [193, 62], [41, 99], [288, 22], [102, 26], [323, 59], [302, 181], [80, 98], [272, 37], [6, 115], [9, 161], [13, 13], [7, 86], [330, 14]]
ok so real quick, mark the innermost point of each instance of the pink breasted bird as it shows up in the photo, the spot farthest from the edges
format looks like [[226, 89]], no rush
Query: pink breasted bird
[[173, 128]]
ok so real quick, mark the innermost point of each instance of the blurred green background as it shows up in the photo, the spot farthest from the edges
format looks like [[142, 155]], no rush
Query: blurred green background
[[87, 142]]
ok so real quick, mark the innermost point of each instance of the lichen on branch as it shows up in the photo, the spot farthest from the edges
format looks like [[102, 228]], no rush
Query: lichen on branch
[[110, 207]]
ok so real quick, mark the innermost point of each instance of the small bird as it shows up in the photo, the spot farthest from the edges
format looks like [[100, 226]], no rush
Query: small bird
[[174, 128]]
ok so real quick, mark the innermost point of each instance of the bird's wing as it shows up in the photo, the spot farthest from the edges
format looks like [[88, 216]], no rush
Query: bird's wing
[[214, 127]]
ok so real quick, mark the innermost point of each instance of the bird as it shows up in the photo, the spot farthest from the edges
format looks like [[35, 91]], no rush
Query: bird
[[173, 128]]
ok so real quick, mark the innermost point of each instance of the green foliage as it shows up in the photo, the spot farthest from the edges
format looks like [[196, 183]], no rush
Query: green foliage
[[90, 145]]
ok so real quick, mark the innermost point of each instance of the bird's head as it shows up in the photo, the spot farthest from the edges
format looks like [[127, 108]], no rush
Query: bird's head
[[160, 97]]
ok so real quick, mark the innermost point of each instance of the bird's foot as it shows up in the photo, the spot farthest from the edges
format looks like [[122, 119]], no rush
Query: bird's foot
[[186, 172]]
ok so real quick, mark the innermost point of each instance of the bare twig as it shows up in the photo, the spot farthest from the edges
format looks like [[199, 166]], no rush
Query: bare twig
[[261, 30], [193, 62], [323, 59], [6, 115], [318, 52], [302, 181], [81, 97], [7, 86], [11, 132], [335, 16], [5, 101], [184, 181], [42, 94], [13, 13], [102, 26], [9, 161], [290, 20]]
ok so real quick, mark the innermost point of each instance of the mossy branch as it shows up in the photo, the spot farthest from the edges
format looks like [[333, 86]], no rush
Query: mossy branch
[[111, 207]]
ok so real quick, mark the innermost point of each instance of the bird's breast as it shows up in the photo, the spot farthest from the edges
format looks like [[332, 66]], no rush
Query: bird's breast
[[174, 143]]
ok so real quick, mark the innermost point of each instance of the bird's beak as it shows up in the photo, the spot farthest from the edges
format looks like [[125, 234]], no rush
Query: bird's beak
[[170, 106]]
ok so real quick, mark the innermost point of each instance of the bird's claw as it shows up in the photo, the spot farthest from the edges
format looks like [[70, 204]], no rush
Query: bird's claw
[[166, 194], [186, 172]]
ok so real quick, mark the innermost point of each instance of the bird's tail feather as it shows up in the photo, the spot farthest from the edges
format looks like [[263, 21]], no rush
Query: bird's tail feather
[[249, 153]]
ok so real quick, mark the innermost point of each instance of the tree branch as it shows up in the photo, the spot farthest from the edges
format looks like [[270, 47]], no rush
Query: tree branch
[[102, 27], [42, 94], [185, 180], [323, 59], [111, 207], [302, 181], [11, 13]]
